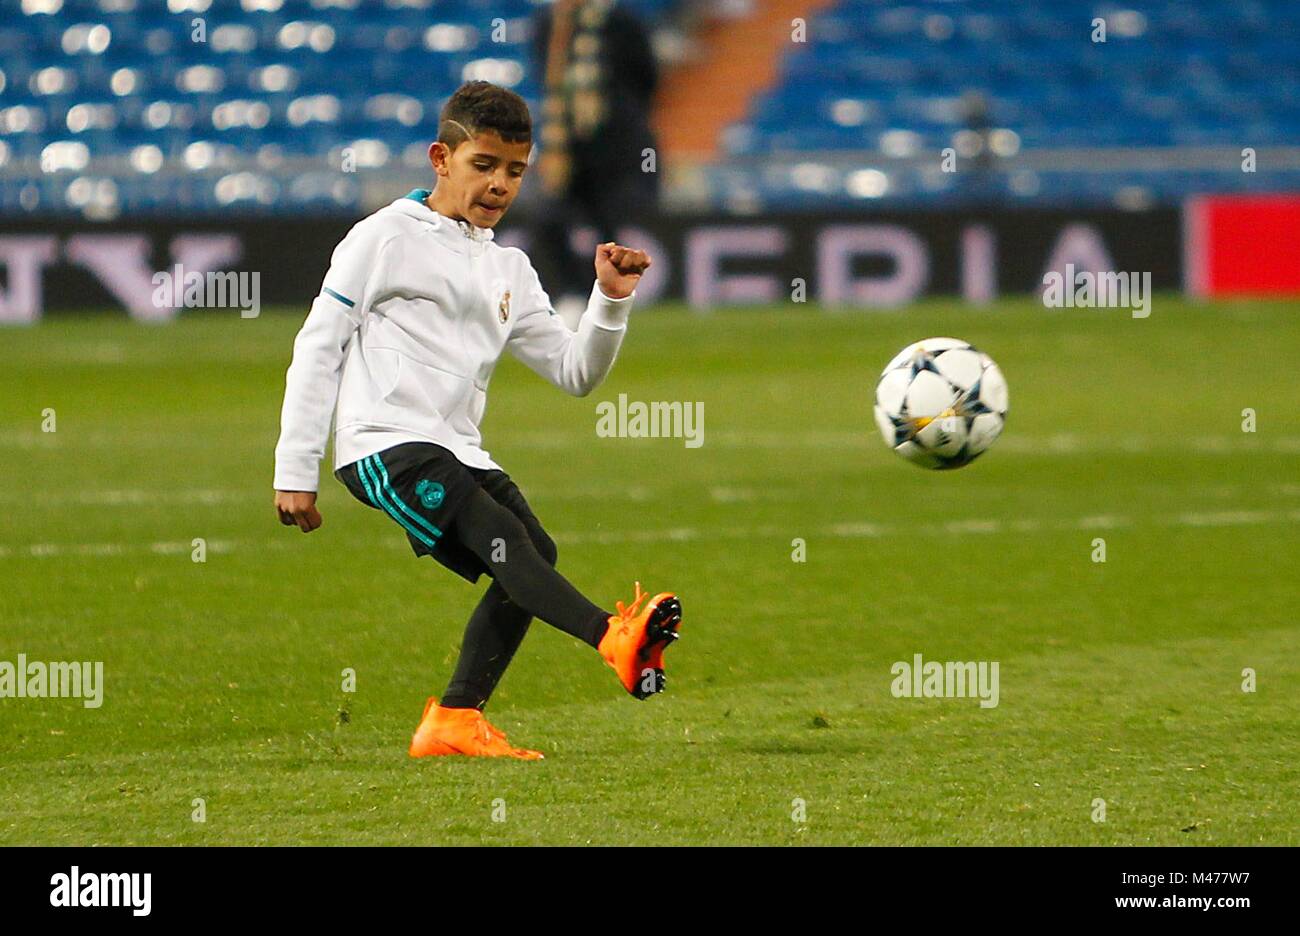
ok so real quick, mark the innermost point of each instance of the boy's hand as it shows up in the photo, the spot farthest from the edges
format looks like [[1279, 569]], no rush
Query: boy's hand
[[298, 507], [619, 269]]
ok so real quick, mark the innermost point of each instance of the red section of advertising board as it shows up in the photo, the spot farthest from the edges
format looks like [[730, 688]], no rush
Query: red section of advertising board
[[1245, 246]]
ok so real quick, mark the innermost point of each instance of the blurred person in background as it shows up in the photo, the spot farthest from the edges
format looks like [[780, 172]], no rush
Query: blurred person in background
[[981, 181], [599, 79]]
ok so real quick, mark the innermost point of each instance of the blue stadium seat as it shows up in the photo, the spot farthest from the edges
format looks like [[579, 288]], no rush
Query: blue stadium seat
[[876, 80]]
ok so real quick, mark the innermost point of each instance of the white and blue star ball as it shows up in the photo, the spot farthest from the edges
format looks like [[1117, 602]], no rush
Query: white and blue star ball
[[941, 403]]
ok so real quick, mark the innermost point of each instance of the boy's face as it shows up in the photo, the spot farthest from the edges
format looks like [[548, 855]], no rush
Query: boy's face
[[480, 178]]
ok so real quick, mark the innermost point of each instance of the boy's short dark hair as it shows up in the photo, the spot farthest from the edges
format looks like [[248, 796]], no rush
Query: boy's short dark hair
[[480, 105]]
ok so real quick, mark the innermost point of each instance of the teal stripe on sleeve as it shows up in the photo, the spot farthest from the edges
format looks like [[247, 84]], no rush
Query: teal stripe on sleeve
[[343, 299]]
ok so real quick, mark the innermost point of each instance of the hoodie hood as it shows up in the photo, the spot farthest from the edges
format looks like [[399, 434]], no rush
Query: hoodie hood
[[457, 234]]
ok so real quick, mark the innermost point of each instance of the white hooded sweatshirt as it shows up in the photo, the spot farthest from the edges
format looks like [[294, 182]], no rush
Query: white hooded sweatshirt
[[414, 313]]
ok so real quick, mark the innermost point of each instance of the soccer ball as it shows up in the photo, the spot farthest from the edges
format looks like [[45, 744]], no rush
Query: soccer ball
[[940, 403]]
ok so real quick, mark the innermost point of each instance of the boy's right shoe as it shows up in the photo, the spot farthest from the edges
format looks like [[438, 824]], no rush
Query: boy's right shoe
[[635, 642], [462, 731]]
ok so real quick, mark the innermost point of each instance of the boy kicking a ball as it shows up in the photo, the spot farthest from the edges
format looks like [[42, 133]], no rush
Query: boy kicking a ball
[[416, 308]]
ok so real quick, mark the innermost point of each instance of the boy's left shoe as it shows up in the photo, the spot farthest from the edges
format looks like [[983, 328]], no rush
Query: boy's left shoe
[[445, 731], [635, 642]]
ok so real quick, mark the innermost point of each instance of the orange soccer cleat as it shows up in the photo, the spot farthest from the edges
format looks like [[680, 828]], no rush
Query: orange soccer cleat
[[462, 731], [635, 642]]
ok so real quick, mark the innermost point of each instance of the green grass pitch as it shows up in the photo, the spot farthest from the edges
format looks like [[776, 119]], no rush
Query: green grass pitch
[[1120, 681]]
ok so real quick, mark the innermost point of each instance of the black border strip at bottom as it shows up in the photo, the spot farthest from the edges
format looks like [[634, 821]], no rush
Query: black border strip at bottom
[[337, 885]]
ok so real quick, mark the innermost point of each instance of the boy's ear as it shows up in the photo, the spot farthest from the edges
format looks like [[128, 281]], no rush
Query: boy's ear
[[439, 154]]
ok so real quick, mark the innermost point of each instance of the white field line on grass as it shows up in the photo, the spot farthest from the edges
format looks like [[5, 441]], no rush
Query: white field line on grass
[[865, 530], [139, 497], [134, 497], [1056, 444], [65, 550], [636, 493], [949, 528]]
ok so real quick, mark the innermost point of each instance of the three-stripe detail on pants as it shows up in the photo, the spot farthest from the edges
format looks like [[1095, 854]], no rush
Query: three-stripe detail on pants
[[374, 477]]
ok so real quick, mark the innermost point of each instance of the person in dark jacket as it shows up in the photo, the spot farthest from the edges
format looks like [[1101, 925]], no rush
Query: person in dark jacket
[[597, 158]]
